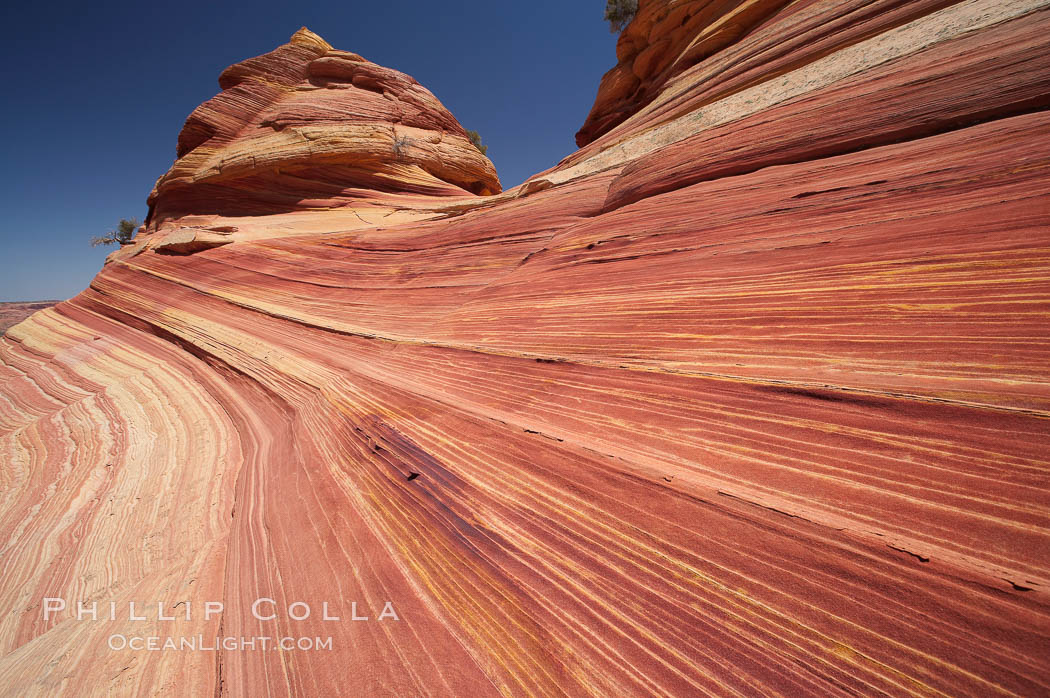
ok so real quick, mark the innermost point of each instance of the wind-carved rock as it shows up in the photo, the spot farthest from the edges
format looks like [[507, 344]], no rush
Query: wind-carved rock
[[306, 126], [665, 39], [749, 395]]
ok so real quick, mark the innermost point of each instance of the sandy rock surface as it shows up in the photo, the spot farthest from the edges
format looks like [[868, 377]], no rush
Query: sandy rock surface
[[751, 395]]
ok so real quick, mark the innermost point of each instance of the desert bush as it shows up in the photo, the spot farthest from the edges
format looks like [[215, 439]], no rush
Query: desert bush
[[400, 144], [122, 235], [475, 138], [619, 13]]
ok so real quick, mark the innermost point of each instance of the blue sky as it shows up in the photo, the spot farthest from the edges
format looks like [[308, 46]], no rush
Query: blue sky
[[95, 95]]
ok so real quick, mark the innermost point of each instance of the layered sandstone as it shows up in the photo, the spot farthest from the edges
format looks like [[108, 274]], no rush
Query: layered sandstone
[[307, 128], [750, 395]]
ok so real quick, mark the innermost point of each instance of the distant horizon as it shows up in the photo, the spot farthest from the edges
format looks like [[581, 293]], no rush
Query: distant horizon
[[53, 301], [100, 109]]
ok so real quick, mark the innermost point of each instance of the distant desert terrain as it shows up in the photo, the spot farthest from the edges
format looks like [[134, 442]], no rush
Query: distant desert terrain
[[14, 313]]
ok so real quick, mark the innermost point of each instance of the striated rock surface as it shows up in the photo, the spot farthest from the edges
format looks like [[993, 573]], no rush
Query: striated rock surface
[[306, 126], [750, 395]]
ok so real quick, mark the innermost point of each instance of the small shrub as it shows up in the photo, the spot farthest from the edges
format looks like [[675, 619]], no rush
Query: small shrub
[[400, 143], [122, 235], [619, 13], [476, 140]]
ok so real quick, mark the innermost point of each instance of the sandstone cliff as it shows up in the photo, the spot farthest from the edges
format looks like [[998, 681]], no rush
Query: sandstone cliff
[[749, 395]]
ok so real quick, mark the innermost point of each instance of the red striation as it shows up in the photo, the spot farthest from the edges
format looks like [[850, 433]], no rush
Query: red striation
[[306, 126], [749, 396], [665, 39]]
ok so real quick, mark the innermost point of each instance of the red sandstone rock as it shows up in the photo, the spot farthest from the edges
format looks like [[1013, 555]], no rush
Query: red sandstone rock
[[748, 396], [307, 126]]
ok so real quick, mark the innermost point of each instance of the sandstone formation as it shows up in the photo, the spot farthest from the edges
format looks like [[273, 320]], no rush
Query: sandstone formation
[[306, 127], [748, 396]]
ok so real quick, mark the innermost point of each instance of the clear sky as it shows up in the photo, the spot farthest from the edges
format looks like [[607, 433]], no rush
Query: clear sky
[[95, 94]]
